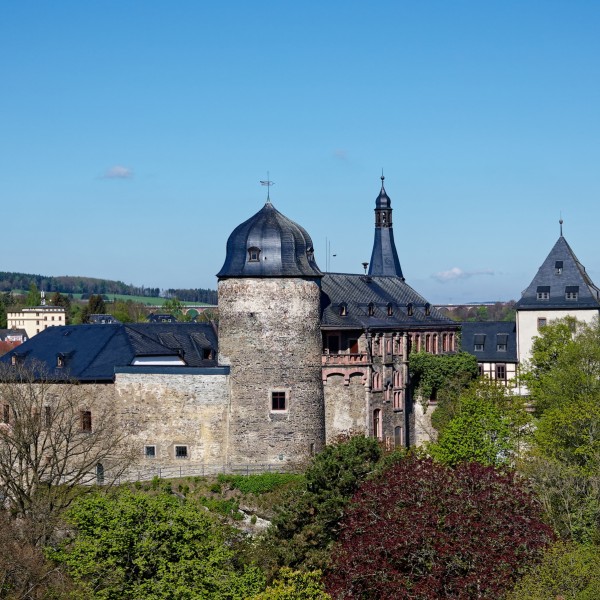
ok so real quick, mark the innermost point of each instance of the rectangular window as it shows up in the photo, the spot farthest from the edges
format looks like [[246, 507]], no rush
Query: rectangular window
[[558, 267], [571, 292], [86, 421], [543, 292], [181, 451], [47, 416], [501, 372], [6, 413], [150, 451], [278, 401], [541, 322]]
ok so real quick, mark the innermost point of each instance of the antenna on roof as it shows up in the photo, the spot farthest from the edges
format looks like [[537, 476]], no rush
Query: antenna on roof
[[561, 224], [268, 183]]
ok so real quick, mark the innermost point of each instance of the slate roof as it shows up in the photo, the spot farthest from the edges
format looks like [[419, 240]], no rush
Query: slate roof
[[560, 273], [285, 248], [358, 292], [490, 334], [92, 353], [384, 257]]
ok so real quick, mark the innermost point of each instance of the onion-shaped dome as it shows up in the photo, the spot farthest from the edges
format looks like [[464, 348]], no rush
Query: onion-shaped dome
[[269, 245], [383, 200]]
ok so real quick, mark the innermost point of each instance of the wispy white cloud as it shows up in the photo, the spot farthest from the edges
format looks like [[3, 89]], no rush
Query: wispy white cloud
[[340, 154], [457, 273], [118, 172]]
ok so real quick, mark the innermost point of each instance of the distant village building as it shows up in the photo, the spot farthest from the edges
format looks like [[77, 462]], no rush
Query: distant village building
[[36, 319]]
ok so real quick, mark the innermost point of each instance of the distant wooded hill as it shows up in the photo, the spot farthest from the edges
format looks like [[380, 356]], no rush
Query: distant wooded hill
[[90, 285]]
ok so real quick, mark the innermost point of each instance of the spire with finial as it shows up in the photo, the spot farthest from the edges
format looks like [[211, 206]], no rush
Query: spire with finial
[[560, 222], [384, 258], [268, 183]]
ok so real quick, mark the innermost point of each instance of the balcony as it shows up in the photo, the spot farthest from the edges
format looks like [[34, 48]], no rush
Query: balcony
[[360, 358]]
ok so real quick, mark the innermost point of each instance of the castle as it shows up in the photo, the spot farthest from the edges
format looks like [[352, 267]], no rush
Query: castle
[[300, 356]]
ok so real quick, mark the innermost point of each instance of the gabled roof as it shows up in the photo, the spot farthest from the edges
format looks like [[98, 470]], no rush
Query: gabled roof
[[92, 353], [560, 283], [489, 336], [364, 301]]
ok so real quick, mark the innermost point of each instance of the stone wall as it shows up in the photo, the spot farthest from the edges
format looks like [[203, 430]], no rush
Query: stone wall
[[170, 408], [345, 405], [269, 333]]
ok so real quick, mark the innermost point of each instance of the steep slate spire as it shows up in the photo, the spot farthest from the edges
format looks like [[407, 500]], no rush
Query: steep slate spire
[[384, 258]]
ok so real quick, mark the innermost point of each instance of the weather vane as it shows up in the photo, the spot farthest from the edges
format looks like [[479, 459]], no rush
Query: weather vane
[[268, 183]]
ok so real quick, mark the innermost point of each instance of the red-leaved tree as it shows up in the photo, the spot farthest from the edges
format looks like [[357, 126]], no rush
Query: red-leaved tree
[[422, 530]]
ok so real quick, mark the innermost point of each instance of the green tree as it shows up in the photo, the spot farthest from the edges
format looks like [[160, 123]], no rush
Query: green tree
[[490, 426], [307, 522], [95, 306], [295, 585], [33, 297], [59, 299], [127, 311], [567, 571], [571, 500], [175, 307], [436, 376], [133, 545], [565, 364]]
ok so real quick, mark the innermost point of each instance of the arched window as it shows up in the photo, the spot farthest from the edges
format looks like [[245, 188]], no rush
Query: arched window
[[390, 309], [398, 436], [371, 309], [377, 425], [343, 309], [409, 309]]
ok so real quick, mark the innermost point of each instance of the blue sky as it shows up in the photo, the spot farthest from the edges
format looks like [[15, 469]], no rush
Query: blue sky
[[133, 135]]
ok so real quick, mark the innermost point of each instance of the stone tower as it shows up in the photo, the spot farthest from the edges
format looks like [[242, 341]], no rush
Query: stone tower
[[269, 335], [384, 258]]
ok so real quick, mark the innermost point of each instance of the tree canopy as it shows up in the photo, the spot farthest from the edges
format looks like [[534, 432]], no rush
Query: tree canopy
[[490, 425], [423, 530], [133, 545]]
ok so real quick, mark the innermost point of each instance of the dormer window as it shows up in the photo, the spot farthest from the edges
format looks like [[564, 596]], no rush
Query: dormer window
[[253, 254], [343, 309], [501, 342], [427, 309], [371, 309], [543, 292], [60, 361], [558, 267], [572, 292], [310, 253], [479, 342], [409, 309], [390, 310]]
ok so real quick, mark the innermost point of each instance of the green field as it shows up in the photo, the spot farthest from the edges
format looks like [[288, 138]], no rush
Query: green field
[[113, 297]]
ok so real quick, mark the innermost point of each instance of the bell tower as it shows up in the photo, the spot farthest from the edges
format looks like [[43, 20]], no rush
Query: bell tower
[[384, 258]]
